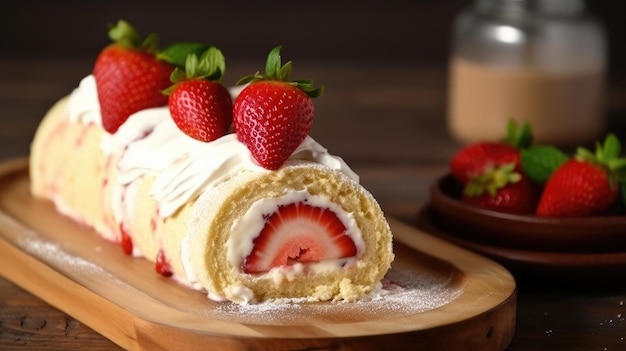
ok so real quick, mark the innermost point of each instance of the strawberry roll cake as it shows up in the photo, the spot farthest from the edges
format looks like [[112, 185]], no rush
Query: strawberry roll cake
[[144, 151], [206, 212]]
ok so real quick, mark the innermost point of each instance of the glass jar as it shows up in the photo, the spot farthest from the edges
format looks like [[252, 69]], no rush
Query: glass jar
[[541, 61]]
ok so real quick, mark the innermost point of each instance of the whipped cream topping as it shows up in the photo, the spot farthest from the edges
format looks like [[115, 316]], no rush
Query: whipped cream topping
[[83, 106], [151, 143]]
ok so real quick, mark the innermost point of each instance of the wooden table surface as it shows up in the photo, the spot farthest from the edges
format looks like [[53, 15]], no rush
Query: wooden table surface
[[389, 125]]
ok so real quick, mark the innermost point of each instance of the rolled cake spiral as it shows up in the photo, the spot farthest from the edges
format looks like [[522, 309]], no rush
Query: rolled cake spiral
[[205, 213]]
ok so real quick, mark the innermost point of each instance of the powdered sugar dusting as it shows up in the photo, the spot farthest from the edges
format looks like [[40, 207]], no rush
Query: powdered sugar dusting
[[403, 292], [57, 257]]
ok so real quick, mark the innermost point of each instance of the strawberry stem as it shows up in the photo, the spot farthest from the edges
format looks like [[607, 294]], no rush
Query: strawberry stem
[[491, 180], [211, 66], [607, 155], [276, 71], [177, 53], [125, 35], [520, 137]]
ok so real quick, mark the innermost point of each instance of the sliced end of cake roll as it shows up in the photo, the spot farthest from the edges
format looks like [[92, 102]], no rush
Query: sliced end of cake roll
[[303, 231]]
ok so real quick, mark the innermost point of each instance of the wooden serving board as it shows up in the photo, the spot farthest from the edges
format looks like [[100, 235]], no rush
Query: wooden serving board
[[437, 296]]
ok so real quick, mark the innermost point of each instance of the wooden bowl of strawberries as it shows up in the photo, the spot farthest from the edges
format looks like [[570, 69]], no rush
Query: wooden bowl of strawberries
[[513, 194]]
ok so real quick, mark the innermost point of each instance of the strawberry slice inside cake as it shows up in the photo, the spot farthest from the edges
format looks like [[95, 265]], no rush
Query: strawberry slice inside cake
[[299, 233]]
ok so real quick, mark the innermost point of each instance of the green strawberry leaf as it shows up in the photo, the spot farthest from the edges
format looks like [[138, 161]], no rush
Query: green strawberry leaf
[[606, 154], [177, 53], [276, 71], [539, 162], [584, 154], [492, 180], [273, 67], [124, 34], [618, 165], [611, 149], [520, 137], [210, 66]]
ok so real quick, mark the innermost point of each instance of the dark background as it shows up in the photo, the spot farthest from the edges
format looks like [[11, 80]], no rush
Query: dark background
[[389, 31]]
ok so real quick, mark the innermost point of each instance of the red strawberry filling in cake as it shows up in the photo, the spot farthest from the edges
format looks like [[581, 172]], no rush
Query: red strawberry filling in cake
[[261, 213], [296, 232]]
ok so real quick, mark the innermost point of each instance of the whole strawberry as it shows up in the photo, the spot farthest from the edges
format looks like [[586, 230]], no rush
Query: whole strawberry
[[502, 189], [474, 159], [585, 185], [492, 175], [129, 77], [199, 104], [273, 115]]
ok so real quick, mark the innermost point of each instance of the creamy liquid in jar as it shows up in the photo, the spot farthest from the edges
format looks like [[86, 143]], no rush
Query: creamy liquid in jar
[[564, 107]]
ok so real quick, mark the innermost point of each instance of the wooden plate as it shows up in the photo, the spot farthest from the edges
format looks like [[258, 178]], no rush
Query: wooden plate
[[438, 296]]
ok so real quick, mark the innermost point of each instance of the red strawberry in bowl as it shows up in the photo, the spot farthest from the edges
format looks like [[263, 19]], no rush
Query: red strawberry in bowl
[[129, 77], [472, 160], [199, 104], [501, 189], [273, 115], [491, 173], [299, 233], [585, 185]]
